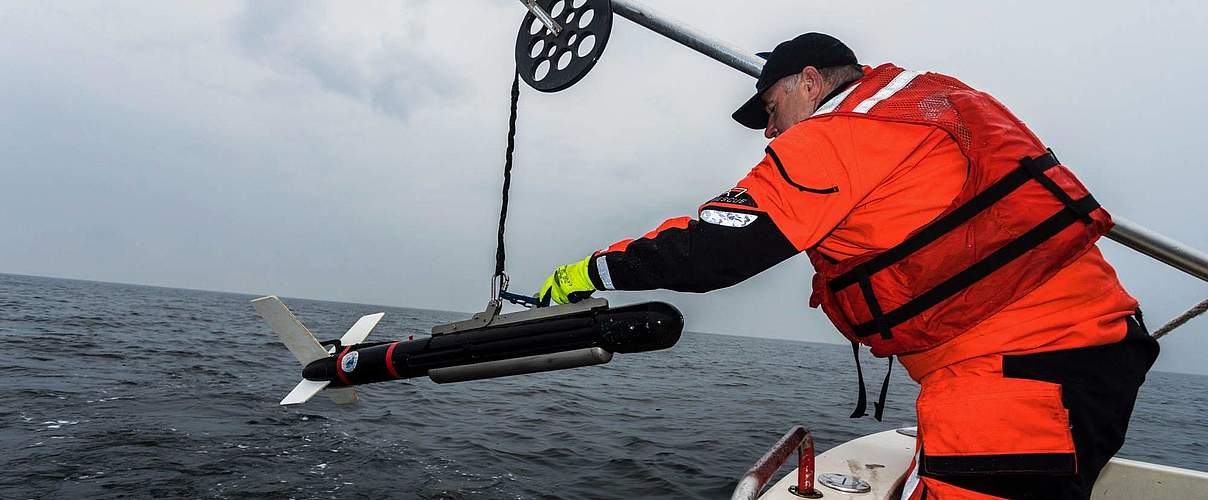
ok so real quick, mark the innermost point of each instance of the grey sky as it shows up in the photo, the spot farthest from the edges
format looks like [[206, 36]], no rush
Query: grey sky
[[352, 151]]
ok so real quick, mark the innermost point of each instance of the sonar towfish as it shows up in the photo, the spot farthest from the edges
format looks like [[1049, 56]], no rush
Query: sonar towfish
[[488, 345]]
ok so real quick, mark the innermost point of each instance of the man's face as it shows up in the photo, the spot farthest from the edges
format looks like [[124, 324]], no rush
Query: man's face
[[791, 100]]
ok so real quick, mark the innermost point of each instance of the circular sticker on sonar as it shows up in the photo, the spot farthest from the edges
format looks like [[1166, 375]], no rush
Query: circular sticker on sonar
[[349, 363]]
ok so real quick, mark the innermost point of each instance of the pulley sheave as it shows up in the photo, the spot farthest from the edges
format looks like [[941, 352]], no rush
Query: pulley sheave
[[550, 61]]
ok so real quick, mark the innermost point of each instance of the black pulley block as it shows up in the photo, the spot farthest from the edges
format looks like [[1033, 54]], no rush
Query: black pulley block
[[551, 62]]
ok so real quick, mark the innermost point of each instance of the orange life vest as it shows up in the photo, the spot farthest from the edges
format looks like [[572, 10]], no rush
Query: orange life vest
[[1020, 218]]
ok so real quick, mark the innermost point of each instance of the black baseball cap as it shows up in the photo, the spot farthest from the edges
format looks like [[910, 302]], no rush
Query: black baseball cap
[[811, 49]]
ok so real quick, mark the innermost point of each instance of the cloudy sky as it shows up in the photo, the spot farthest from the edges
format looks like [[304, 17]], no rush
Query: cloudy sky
[[352, 151]]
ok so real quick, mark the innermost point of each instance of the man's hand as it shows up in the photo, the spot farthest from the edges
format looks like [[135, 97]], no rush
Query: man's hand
[[569, 283]]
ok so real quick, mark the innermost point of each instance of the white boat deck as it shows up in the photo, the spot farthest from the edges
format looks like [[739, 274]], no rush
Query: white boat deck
[[880, 459], [883, 459]]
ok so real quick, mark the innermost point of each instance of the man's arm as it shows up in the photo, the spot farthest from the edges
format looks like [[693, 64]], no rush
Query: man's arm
[[785, 204], [789, 202], [725, 247]]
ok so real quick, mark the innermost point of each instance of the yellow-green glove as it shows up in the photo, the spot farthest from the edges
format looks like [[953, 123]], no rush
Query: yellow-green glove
[[569, 283]]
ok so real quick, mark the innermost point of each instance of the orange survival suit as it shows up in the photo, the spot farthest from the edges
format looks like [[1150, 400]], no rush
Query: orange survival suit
[[944, 232]]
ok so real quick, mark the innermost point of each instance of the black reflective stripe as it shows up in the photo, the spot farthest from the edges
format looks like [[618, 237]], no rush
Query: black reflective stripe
[[1020, 463], [995, 261], [954, 219], [785, 175]]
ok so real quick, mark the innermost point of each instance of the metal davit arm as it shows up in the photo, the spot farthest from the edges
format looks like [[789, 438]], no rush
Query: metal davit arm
[[1127, 233], [694, 39], [1171, 252]]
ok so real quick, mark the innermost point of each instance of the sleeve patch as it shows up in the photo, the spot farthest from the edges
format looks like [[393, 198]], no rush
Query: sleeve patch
[[728, 219], [736, 196]]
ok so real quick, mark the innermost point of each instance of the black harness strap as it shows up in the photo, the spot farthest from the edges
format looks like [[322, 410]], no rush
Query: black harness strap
[[874, 306], [862, 398], [995, 261], [861, 409], [1037, 171], [882, 322], [880, 404], [954, 219]]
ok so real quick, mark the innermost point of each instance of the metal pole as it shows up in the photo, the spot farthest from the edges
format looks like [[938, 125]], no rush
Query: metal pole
[[697, 40], [1173, 253]]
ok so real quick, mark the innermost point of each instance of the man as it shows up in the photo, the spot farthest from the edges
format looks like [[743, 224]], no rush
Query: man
[[942, 231]]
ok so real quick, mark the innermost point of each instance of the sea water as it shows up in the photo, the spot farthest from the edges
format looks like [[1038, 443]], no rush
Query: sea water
[[116, 390]]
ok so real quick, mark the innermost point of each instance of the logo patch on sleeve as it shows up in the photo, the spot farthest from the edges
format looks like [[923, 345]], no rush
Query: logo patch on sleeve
[[728, 219], [736, 196]]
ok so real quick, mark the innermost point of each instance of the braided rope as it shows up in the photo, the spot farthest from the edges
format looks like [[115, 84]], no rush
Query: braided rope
[[1183, 318], [507, 175]]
